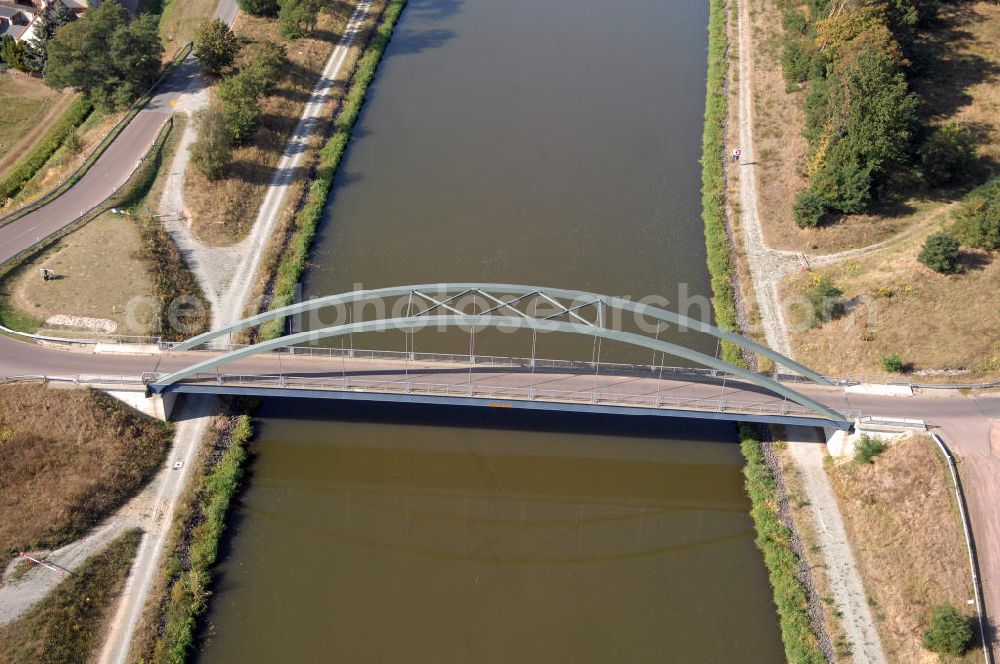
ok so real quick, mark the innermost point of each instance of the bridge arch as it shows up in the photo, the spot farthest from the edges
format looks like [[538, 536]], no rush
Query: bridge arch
[[585, 328], [565, 299]]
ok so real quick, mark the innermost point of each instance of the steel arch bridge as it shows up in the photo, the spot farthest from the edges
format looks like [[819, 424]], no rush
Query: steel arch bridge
[[506, 306]]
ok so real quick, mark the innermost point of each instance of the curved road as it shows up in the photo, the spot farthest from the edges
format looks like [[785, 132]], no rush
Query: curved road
[[114, 166]]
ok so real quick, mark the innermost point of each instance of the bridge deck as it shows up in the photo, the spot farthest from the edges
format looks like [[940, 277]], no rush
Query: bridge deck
[[505, 382]]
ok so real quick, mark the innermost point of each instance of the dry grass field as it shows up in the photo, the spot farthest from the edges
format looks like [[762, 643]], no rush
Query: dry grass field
[[27, 107], [904, 526], [66, 625], [223, 211], [896, 305], [99, 275], [67, 459]]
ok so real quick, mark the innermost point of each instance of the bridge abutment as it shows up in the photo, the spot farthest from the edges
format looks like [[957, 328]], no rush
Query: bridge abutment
[[159, 406]]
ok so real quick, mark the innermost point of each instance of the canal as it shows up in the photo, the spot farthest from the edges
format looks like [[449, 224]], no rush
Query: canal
[[540, 142]]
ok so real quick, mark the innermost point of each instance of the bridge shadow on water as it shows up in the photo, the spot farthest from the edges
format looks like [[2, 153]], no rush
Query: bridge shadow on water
[[503, 419]]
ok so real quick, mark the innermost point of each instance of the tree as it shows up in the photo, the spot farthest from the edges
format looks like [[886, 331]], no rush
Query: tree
[[949, 632], [238, 94], [940, 253], [297, 18], [879, 111], [213, 151], [808, 210], [14, 53], [215, 45], [105, 56], [259, 7], [51, 18], [977, 219], [843, 184], [267, 64], [948, 156]]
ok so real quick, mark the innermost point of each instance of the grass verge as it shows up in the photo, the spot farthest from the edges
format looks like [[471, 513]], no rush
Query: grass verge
[[68, 458], [901, 513], [169, 635], [65, 627], [292, 261], [713, 180], [28, 166], [774, 540]]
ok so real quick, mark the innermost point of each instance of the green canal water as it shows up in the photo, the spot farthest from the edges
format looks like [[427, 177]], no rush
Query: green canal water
[[543, 142]]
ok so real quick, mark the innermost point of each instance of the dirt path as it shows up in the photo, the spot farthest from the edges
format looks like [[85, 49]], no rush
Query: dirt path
[[767, 268]]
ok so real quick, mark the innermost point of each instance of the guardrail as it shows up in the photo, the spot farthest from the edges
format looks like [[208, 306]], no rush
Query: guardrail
[[969, 545], [102, 147]]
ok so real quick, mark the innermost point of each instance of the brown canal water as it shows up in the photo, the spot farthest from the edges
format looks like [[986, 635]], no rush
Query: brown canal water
[[550, 142]]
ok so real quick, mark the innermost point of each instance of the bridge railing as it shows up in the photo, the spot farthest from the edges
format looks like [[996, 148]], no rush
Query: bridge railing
[[488, 391]]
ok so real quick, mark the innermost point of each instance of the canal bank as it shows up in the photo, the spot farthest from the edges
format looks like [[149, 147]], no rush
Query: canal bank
[[472, 159], [802, 630]]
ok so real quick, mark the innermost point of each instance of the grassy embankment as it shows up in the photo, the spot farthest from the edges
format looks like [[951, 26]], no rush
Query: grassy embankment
[[713, 180], [65, 627], [29, 165], [288, 267], [901, 514], [168, 629], [773, 538], [28, 108], [68, 458]]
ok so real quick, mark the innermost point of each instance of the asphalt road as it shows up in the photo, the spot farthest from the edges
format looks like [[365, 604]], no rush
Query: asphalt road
[[113, 167]]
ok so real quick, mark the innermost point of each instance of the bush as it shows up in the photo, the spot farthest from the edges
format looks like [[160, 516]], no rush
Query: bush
[[940, 253], [212, 153], [948, 156], [868, 448], [808, 210], [796, 62], [259, 7], [267, 63], [892, 363], [824, 299], [215, 45], [949, 632], [977, 220]]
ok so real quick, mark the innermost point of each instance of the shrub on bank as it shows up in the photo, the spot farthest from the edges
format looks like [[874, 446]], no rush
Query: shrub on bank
[[940, 253], [713, 182], [949, 632], [868, 448]]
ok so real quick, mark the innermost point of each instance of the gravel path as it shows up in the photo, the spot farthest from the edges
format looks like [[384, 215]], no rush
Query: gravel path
[[767, 268]]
